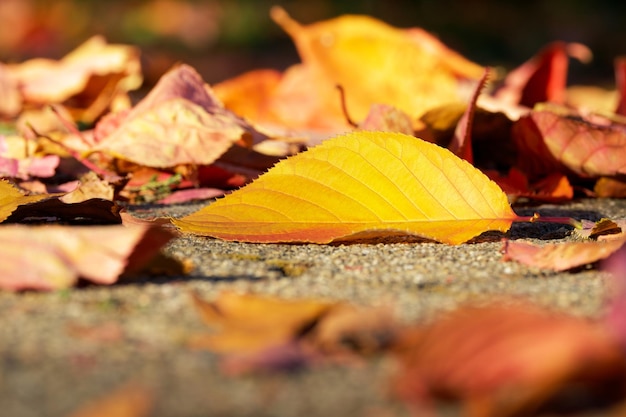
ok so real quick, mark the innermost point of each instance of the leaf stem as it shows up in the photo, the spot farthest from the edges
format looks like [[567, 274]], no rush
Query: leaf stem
[[551, 219]]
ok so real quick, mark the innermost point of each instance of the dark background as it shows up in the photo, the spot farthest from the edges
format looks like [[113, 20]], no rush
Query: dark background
[[223, 38]]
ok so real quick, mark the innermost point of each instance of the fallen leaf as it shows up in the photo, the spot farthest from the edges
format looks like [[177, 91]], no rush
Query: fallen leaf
[[128, 400], [53, 257], [419, 72], [178, 122], [385, 118], [52, 209], [509, 360], [11, 198], [247, 323], [549, 142], [543, 78], [87, 80], [561, 256], [248, 95], [363, 182], [461, 144], [609, 187], [90, 186]]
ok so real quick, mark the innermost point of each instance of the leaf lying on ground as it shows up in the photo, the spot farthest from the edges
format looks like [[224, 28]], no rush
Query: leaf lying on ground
[[373, 62], [129, 400], [249, 322], [504, 361], [53, 257], [11, 198], [561, 256], [178, 122], [549, 142], [379, 183], [88, 80], [264, 333]]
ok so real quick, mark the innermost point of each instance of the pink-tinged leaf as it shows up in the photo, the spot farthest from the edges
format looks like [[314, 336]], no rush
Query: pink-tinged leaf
[[53, 257], [386, 118], [179, 122], [561, 256], [87, 80], [183, 196], [548, 141], [620, 81], [461, 144], [543, 78], [363, 184]]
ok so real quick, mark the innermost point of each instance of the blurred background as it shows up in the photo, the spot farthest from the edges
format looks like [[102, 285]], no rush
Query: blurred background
[[223, 38]]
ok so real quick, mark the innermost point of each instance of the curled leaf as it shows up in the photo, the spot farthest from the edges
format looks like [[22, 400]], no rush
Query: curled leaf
[[365, 184]]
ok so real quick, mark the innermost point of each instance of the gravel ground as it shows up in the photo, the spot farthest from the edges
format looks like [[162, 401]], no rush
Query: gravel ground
[[61, 349]]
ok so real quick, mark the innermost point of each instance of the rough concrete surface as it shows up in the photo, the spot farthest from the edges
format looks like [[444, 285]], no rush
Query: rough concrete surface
[[50, 363]]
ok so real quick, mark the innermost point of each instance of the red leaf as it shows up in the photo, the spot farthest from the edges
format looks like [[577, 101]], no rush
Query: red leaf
[[542, 78]]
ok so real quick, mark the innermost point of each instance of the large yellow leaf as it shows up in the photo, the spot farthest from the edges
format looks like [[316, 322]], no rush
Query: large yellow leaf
[[374, 182]]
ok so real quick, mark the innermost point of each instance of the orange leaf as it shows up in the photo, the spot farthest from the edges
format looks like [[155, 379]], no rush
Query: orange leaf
[[11, 198], [251, 323], [562, 256], [179, 122], [91, 76], [375, 63], [382, 183]]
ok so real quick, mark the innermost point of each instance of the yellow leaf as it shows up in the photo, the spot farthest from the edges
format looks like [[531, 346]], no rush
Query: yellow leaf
[[378, 63], [11, 198], [374, 182]]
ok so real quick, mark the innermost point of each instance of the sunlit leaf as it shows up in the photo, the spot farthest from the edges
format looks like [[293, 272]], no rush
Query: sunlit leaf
[[11, 198], [374, 62], [92, 76], [178, 122], [381, 183], [561, 256], [549, 141], [53, 257]]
